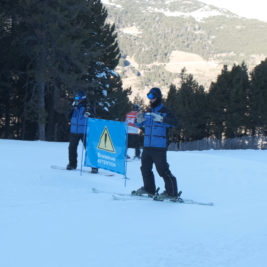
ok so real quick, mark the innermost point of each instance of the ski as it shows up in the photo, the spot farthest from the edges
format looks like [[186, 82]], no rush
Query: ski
[[56, 167], [97, 191], [190, 201], [143, 197], [120, 196], [128, 197]]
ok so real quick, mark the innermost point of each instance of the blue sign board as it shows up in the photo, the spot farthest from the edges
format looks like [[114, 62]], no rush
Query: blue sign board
[[106, 145]]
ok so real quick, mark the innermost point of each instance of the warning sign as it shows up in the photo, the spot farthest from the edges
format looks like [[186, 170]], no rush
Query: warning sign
[[106, 145], [105, 142]]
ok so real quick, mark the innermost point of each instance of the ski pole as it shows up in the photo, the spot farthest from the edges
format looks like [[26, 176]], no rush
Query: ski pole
[[126, 147], [85, 128]]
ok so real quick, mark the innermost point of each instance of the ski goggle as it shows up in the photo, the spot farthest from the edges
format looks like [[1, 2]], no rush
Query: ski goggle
[[151, 96], [79, 98]]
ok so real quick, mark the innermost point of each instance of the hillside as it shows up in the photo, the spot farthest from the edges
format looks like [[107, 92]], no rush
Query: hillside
[[158, 38]]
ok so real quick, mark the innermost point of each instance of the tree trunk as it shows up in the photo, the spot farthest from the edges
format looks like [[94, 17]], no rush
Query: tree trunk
[[50, 115], [41, 113], [42, 86], [7, 114]]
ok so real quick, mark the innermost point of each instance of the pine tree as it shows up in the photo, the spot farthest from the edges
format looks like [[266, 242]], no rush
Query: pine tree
[[219, 99], [258, 98], [229, 103], [11, 71], [192, 106], [171, 99], [59, 47], [171, 104], [112, 101], [238, 119], [188, 103], [51, 40]]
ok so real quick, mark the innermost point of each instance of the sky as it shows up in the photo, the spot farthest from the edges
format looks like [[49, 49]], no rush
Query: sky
[[250, 9]]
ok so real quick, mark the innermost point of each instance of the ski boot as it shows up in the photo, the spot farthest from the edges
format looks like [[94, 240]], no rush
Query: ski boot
[[164, 195], [71, 167], [94, 170], [177, 198], [141, 192]]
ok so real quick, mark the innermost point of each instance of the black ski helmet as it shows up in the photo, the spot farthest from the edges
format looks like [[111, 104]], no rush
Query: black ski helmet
[[154, 92], [80, 96]]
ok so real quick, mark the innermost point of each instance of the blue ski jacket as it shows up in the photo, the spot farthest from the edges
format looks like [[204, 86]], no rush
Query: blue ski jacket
[[156, 133], [78, 121]]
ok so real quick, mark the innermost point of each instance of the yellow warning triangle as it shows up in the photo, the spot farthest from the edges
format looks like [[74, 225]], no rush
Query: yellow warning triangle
[[105, 142]]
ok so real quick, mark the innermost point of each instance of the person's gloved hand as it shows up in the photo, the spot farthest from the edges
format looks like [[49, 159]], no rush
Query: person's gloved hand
[[157, 117], [140, 117], [87, 114], [74, 103]]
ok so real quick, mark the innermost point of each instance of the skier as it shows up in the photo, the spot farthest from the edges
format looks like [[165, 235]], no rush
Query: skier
[[78, 115], [156, 123], [133, 131]]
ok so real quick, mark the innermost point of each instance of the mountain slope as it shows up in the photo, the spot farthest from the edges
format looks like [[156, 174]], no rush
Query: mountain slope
[[158, 38]]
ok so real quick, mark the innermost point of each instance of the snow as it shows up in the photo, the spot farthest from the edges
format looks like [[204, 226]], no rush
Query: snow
[[105, 92], [108, 2], [101, 75], [51, 218], [199, 14]]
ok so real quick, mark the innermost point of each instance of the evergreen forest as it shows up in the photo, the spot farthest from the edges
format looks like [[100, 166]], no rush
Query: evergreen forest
[[49, 50], [234, 106]]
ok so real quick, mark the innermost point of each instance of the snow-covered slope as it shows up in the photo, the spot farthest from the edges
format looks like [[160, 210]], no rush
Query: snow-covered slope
[[51, 218]]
